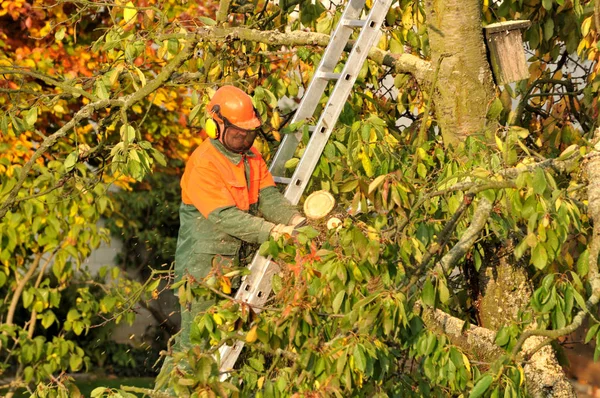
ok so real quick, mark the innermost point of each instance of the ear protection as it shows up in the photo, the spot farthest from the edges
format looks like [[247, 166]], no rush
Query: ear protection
[[211, 127]]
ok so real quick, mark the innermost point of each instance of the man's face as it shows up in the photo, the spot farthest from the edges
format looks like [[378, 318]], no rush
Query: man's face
[[238, 140]]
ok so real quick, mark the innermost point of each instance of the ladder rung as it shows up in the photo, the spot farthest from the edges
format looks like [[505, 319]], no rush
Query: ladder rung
[[353, 23], [328, 75], [282, 180]]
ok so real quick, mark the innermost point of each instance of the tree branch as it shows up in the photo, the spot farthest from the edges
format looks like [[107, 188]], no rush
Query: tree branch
[[50, 81], [20, 287], [480, 217], [404, 63]]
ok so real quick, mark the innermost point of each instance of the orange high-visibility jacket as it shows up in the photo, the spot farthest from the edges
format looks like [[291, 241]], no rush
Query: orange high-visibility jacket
[[212, 181]]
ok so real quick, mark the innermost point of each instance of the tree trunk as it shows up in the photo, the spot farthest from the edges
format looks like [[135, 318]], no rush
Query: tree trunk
[[505, 290], [464, 86]]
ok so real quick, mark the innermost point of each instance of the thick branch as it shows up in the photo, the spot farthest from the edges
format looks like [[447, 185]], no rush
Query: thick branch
[[480, 217], [542, 373], [404, 63]]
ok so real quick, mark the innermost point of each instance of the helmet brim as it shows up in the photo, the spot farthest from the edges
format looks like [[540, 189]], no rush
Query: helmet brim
[[251, 124]]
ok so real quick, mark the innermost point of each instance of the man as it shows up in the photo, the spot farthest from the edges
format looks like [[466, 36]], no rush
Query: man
[[225, 187]]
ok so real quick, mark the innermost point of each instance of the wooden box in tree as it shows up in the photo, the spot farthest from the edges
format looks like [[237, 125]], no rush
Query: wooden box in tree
[[507, 56]]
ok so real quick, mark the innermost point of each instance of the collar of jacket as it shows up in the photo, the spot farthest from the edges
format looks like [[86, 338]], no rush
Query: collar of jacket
[[233, 157]]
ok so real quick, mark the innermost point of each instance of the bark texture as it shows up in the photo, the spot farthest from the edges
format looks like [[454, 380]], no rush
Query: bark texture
[[543, 374], [464, 87]]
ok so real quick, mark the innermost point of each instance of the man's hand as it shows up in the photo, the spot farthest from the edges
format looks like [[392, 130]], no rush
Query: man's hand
[[280, 230]]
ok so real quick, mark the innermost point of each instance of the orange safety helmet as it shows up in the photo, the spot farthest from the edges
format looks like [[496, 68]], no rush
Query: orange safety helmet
[[233, 107]]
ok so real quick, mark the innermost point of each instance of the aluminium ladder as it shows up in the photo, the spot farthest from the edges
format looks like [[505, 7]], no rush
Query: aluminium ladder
[[256, 286]]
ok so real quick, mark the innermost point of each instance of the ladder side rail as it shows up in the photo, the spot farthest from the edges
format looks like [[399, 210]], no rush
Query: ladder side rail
[[336, 102], [256, 287], [317, 86]]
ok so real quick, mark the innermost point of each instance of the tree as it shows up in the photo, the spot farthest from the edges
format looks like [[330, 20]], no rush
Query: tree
[[470, 243]]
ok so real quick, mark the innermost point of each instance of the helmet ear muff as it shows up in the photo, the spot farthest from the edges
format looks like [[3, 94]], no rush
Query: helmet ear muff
[[211, 127]]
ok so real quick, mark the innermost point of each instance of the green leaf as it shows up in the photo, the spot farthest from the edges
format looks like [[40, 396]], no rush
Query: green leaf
[[207, 21], [495, 109], [2, 279], [547, 4], [194, 112], [204, 369], [18, 125], [71, 160], [75, 362], [443, 291], [337, 302], [359, 358], [591, 333], [548, 29], [539, 257], [580, 300], [4, 125], [583, 263], [539, 181], [153, 285], [127, 133], [27, 298], [277, 283], [291, 163], [60, 33], [173, 46], [48, 319], [597, 351], [428, 294], [502, 337], [31, 116], [481, 387], [349, 186], [422, 170], [101, 90]]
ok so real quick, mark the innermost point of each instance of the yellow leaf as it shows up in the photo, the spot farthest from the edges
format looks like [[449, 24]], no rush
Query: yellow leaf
[[499, 143], [521, 372], [366, 164], [407, 17], [140, 75], [260, 382], [383, 42], [129, 13], [276, 120], [225, 285], [467, 363], [585, 26], [218, 319], [252, 335]]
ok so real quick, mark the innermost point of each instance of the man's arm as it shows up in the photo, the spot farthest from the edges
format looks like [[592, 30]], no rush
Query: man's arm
[[275, 207], [240, 224], [271, 203]]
